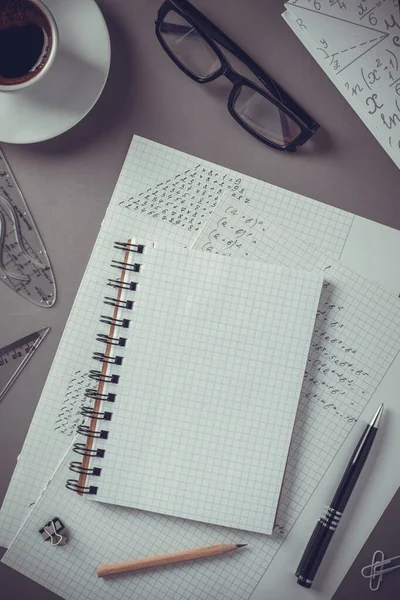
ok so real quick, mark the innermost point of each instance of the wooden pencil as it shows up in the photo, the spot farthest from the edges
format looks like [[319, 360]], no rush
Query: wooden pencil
[[167, 559]]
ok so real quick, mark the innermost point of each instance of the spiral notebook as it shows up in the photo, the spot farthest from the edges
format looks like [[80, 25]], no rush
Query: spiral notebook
[[161, 194], [191, 410]]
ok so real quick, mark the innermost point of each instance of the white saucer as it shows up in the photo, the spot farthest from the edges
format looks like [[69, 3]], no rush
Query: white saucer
[[73, 84]]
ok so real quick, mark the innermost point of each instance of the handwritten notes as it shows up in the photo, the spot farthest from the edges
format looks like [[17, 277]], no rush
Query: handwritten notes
[[354, 343], [69, 415], [358, 46], [186, 200]]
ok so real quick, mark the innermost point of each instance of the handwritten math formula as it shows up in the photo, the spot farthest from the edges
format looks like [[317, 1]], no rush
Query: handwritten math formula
[[69, 415], [358, 45], [342, 370], [354, 342]]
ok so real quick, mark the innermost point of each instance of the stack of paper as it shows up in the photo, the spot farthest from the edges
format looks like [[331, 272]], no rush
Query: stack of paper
[[358, 46], [181, 201]]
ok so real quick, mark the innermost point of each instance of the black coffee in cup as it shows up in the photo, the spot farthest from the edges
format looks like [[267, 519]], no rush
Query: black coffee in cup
[[26, 41]]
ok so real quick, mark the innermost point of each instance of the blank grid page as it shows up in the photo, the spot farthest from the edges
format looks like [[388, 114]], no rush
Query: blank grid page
[[208, 388]]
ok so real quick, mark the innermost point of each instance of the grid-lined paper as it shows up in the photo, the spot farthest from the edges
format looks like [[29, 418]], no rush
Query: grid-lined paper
[[160, 187], [147, 165], [208, 387], [102, 534], [355, 340]]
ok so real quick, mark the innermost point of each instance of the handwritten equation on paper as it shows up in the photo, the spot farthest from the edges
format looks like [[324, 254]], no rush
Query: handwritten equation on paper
[[69, 415], [345, 363], [354, 342], [187, 199], [359, 41]]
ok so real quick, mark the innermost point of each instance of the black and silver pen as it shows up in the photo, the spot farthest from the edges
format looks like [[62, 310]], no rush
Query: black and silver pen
[[326, 526]]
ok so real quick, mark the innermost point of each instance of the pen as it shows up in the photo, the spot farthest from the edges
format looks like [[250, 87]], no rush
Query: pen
[[167, 559], [326, 526]]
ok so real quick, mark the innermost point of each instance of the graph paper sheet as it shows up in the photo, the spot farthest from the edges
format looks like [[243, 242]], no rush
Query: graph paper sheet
[[100, 530], [160, 187], [208, 387], [355, 340], [104, 534], [139, 205]]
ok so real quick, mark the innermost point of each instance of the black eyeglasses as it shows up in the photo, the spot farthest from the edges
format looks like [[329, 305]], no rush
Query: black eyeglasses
[[268, 113]]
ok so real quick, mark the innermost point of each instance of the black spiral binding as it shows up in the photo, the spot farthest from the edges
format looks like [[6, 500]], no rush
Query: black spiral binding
[[112, 321], [128, 304], [72, 484], [103, 377], [118, 264], [123, 285], [78, 467], [93, 394], [92, 433], [93, 414], [80, 448], [128, 247], [105, 358], [96, 395], [108, 339]]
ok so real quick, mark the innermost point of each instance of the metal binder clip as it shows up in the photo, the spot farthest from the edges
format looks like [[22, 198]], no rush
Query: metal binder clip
[[375, 571], [54, 531]]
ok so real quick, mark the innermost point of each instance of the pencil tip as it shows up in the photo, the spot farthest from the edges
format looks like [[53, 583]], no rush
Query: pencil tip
[[240, 545]]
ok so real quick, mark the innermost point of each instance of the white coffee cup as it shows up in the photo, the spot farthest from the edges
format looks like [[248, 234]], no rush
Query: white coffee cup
[[36, 12]]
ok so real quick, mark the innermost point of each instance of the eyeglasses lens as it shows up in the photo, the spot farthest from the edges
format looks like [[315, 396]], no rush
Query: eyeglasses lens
[[263, 117], [188, 46]]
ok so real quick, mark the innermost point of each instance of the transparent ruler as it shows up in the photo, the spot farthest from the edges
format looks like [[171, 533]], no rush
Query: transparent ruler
[[24, 264], [14, 357]]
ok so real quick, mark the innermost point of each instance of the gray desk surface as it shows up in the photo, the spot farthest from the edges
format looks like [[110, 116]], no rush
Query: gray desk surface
[[69, 180]]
